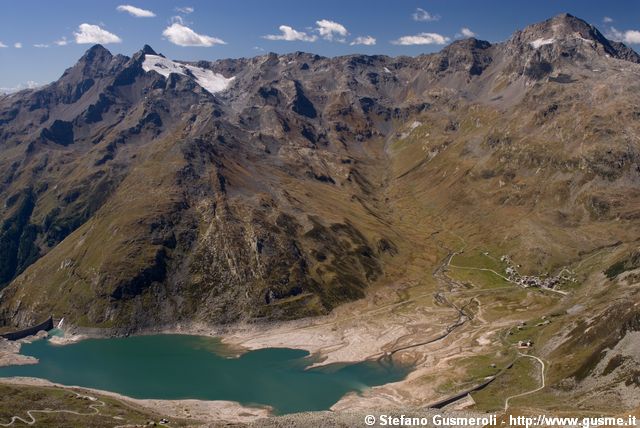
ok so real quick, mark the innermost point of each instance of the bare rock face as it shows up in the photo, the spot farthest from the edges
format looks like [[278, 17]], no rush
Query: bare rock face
[[139, 192], [468, 55], [561, 41]]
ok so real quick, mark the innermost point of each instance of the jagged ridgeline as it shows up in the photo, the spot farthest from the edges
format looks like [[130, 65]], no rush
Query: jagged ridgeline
[[142, 190]]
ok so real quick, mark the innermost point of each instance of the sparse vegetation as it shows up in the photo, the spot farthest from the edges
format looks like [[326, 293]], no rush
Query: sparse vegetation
[[16, 400]]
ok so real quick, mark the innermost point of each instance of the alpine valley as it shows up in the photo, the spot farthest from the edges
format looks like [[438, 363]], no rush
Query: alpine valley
[[473, 213]]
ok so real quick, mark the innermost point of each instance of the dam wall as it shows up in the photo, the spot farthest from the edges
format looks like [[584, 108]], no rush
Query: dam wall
[[29, 331]]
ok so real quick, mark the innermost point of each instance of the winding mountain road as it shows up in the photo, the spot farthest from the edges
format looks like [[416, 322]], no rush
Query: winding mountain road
[[32, 419], [542, 384]]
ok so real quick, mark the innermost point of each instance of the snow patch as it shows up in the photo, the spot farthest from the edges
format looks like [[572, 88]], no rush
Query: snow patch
[[386, 70], [579, 37], [212, 82], [541, 42]]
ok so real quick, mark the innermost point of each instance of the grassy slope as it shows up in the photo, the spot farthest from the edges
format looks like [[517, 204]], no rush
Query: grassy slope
[[540, 190], [15, 400], [113, 244]]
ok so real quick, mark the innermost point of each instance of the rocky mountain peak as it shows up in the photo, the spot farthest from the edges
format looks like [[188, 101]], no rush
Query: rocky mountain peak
[[468, 44], [97, 61], [559, 29], [148, 50], [571, 37], [96, 54], [470, 56], [138, 57]]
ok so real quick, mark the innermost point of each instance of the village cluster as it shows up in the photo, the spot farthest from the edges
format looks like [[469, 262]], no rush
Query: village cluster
[[543, 281]]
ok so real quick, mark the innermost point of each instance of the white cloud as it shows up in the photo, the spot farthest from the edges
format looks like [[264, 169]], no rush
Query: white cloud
[[135, 11], [29, 85], [632, 36], [424, 16], [422, 39], [614, 34], [2, 45], [629, 36], [466, 32], [17, 45], [363, 40], [60, 42], [258, 48], [88, 33], [181, 35], [607, 20], [329, 29], [177, 19], [186, 10], [290, 35]]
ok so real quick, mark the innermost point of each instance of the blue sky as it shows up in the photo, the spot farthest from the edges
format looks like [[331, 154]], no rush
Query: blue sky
[[40, 39]]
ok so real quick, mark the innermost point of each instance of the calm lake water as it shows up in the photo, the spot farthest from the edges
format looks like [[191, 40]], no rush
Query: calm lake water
[[181, 367]]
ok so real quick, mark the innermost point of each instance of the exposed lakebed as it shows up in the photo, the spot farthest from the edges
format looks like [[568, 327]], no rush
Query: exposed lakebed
[[195, 367]]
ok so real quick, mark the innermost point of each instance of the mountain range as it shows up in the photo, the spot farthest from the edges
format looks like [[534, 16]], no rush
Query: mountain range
[[140, 191]]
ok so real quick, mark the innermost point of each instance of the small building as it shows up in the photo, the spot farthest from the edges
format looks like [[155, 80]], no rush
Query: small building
[[525, 344]]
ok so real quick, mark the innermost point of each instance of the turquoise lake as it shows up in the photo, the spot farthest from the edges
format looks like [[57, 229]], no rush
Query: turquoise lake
[[183, 367]]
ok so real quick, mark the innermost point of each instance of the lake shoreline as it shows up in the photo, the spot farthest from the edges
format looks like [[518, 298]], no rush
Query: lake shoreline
[[222, 413], [245, 337], [210, 373], [355, 332], [309, 334]]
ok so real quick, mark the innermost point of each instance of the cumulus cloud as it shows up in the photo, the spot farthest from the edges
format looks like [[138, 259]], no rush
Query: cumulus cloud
[[186, 10], [363, 40], [290, 35], [422, 39], [422, 15], [40, 45], [135, 11], [629, 36], [181, 35], [466, 32], [2, 45], [89, 33], [330, 29], [17, 45], [632, 36], [607, 20], [61, 42]]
